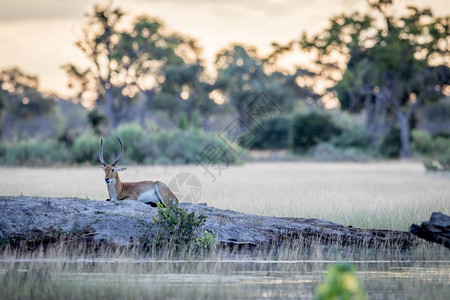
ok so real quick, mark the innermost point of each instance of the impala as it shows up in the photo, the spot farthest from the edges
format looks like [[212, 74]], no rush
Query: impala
[[149, 192]]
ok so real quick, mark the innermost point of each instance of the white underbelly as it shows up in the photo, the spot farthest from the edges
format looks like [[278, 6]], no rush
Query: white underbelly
[[149, 196]]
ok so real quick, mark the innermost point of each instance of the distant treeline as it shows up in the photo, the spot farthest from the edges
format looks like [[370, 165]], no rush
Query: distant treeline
[[385, 75]]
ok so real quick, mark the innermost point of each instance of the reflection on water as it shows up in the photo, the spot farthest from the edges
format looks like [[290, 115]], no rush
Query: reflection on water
[[238, 279]]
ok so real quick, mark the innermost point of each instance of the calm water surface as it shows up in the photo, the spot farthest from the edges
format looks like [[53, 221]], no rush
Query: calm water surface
[[232, 279]]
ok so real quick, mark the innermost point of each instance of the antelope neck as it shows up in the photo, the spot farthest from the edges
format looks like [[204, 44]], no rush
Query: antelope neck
[[115, 189]]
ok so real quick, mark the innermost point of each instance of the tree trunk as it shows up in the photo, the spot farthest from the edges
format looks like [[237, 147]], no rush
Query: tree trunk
[[371, 119], [376, 118], [383, 125], [148, 105], [403, 121], [112, 113]]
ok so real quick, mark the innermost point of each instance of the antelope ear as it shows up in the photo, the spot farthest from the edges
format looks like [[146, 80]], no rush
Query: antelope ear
[[120, 169]]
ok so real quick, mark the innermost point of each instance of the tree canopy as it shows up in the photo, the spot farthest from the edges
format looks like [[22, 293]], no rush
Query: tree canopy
[[385, 64], [165, 67]]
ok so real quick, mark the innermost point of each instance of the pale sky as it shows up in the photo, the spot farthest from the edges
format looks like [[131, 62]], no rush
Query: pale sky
[[38, 35]]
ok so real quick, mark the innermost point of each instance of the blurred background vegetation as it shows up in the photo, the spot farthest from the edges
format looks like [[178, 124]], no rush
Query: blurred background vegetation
[[377, 87]]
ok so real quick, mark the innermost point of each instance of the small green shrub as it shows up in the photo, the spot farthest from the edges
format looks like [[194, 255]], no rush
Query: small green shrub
[[421, 141], [442, 134], [182, 226], [275, 134], [181, 146], [436, 151], [97, 120], [169, 147], [207, 241], [440, 146], [444, 160], [34, 151], [391, 145], [354, 137], [310, 129], [431, 165], [341, 283], [183, 122], [85, 148], [328, 152], [438, 158], [131, 135]]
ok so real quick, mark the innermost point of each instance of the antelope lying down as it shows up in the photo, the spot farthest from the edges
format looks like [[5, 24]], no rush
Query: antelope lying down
[[149, 192]]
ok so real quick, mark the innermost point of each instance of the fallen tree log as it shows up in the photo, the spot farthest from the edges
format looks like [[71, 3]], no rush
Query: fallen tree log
[[130, 223], [436, 230]]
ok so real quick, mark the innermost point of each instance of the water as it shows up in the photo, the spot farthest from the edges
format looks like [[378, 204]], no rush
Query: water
[[225, 279]]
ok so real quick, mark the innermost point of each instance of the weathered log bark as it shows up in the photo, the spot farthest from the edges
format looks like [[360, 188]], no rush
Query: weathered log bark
[[437, 230], [130, 223]]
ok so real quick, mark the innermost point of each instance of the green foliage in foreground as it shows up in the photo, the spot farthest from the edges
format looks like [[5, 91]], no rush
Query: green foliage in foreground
[[184, 227], [169, 147], [209, 240], [436, 151], [341, 283]]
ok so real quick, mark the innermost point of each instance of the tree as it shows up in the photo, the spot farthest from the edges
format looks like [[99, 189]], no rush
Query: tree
[[141, 54], [185, 83], [95, 83], [384, 64], [240, 77], [20, 99], [146, 59], [166, 67], [243, 75]]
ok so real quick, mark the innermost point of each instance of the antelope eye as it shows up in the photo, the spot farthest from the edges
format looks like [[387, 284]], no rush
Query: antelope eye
[[112, 170]]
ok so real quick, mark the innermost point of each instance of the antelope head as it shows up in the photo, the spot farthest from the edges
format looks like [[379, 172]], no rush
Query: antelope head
[[111, 171]]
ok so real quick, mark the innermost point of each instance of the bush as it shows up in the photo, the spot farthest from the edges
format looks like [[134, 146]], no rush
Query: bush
[[328, 152], [444, 160], [181, 146], [85, 148], [97, 120], [442, 134], [341, 283], [391, 145], [355, 137], [182, 121], [169, 147], [421, 141], [33, 151], [437, 156], [208, 240], [131, 135], [310, 129], [276, 134], [182, 227], [436, 150]]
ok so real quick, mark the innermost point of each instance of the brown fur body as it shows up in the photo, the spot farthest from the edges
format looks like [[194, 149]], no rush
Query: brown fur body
[[144, 191]]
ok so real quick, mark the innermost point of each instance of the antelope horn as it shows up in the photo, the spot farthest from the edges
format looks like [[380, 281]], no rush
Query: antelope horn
[[120, 155], [100, 154]]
